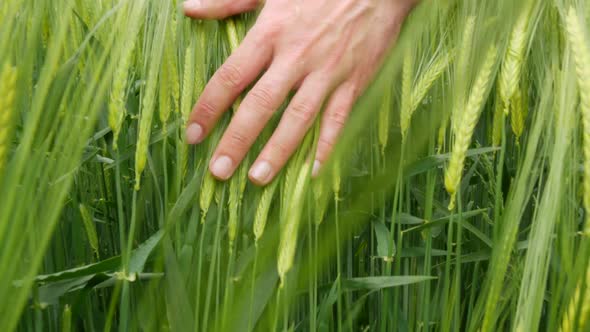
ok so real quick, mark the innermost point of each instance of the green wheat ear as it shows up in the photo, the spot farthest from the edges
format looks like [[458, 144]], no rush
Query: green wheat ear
[[117, 108], [148, 101], [469, 119], [207, 193], [407, 85], [261, 217], [384, 124], [576, 34], [577, 38], [290, 227], [512, 65], [8, 76]]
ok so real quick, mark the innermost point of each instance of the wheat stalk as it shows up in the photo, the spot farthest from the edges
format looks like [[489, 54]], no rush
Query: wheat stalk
[[465, 128]]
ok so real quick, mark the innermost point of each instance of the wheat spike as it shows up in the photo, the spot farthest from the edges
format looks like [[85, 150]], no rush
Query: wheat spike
[[463, 68], [383, 125], [45, 32], [577, 39], [243, 176], [321, 197], [336, 179], [569, 320], [233, 202], [173, 67], [465, 128], [513, 61], [434, 71], [117, 108], [442, 133], [518, 114], [207, 193], [201, 66], [498, 122], [90, 228], [147, 105], [164, 91], [117, 99], [232, 35], [585, 309], [407, 84], [261, 216], [290, 228], [7, 110], [145, 129], [167, 78], [188, 78]]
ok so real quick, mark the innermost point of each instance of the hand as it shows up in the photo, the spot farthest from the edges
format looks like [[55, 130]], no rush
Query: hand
[[328, 50]]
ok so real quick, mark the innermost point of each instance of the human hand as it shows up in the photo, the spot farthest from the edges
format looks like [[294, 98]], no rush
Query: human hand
[[328, 50]]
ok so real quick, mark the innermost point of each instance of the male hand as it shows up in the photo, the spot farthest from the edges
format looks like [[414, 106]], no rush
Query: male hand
[[328, 50]]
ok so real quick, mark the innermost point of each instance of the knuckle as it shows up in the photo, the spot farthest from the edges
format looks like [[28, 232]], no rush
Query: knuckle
[[230, 76], [279, 150], [262, 99], [205, 110], [338, 116], [303, 110], [268, 31], [239, 140], [269, 25], [325, 144]]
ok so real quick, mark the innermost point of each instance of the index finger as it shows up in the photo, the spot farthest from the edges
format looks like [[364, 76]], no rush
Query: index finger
[[240, 69]]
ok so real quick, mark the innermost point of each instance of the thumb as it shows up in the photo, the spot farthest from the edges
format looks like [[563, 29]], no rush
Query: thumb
[[217, 9]]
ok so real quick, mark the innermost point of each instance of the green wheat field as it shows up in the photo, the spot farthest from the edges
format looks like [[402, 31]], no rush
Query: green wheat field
[[458, 200]]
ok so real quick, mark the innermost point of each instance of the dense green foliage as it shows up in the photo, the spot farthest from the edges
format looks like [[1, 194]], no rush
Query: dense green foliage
[[456, 201]]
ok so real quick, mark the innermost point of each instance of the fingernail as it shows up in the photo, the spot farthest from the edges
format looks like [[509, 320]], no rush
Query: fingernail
[[194, 133], [261, 172], [316, 168], [191, 4], [222, 167]]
